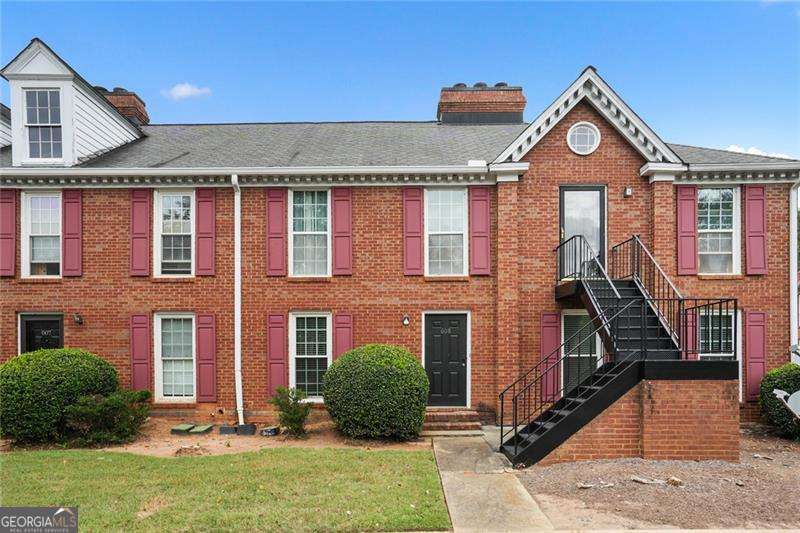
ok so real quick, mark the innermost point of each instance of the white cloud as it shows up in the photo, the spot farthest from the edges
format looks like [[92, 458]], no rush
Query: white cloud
[[756, 151], [182, 91]]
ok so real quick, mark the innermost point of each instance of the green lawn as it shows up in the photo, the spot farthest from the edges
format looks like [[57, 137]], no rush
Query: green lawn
[[279, 489]]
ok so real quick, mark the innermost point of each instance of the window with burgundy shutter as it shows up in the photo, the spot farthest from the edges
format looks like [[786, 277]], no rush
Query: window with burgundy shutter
[[310, 351], [718, 230], [174, 233], [175, 356], [41, 234]]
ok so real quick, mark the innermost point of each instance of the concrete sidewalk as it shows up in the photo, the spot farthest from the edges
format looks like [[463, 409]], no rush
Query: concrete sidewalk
[[481, 492]]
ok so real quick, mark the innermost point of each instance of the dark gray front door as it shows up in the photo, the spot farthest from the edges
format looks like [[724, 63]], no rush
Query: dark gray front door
[[446, 359], [41, 331]]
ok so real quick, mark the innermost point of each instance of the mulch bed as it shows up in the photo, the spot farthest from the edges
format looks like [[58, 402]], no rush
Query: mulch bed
[[762, 490]]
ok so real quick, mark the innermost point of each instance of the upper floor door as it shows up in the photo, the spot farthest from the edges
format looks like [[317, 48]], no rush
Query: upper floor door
[[583, 212]]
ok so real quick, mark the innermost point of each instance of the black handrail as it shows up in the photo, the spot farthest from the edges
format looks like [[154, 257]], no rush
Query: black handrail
[[535, 403], [576, 259]]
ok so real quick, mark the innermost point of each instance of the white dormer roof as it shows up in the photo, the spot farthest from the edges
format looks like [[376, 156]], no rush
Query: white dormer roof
[[90, 125], [593, 89]]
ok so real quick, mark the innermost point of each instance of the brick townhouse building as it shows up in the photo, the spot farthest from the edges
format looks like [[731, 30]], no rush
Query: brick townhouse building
[[211, 263]]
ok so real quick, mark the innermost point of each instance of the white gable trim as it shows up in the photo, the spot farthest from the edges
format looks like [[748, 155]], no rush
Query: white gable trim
[[591, 87], [36, 62]]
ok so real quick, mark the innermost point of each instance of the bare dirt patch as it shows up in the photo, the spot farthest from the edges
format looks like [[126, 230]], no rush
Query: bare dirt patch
[[156, 440], [761, 491], [151, 507]]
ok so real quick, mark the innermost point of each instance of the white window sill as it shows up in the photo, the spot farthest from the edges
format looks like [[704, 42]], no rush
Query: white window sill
[[314, 399], [172, 400]]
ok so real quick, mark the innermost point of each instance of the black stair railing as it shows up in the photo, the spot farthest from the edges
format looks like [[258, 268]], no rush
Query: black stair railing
[[632, 260], [536, 391], [576, 260], [691, 322]]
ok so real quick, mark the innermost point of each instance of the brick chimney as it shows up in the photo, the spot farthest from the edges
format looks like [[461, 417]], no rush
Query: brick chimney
[[127, 103], [481, 104]]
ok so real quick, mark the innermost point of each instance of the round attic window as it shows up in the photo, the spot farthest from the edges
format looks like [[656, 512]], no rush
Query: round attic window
[[583, 138]]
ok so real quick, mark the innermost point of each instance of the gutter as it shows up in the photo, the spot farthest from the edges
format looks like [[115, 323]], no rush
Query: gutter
[[794, 312], [237, 297]]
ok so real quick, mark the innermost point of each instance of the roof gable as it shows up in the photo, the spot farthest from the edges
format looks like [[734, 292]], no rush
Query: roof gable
[[591, 87], [37, 61]]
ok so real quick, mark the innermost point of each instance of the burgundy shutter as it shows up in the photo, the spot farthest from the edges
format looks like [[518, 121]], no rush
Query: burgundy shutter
[[71, 228], [756, 228], [8, 231], [413, 228], [140, 352], [342, 333], [687, 229], [276, 232], [549, 342], [140, 231], [206, 334], [755, 334], [342, 210], [479, 240], [691, 336], [205, 237], [277, 372]]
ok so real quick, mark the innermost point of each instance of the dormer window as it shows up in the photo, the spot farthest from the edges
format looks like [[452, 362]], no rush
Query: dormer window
[[43, 123]]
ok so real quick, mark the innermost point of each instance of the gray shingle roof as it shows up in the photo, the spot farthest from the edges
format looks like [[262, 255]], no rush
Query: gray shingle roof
[[336, 144], [694, 155], [310, 144]]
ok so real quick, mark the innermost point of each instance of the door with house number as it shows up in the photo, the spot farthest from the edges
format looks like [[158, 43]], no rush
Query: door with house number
[[446, 359]]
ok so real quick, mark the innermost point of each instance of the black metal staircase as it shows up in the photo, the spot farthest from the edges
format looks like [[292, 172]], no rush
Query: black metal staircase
[[638, 314]]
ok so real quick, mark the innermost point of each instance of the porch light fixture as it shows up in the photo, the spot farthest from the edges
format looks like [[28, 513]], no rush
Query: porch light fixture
[[406, 320], [628, 192], [77, 318]]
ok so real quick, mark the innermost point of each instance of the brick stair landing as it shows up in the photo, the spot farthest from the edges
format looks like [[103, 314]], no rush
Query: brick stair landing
[[451, 419]]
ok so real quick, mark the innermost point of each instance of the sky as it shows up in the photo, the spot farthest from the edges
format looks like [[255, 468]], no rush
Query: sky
[[720, 75]]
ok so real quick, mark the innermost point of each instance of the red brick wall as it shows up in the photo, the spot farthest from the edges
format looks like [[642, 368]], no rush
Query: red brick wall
[[677, 420], [106, 295], [378, 294], [505, 323]]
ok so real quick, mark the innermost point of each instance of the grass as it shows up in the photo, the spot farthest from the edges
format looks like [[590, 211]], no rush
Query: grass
[[278, 489]]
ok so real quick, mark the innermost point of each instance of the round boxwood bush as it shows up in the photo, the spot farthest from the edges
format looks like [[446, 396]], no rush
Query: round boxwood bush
[[377, 391], [786, 378], [36, 388]]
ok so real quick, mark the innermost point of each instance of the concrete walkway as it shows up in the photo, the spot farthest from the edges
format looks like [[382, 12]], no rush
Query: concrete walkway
[[481, 492]]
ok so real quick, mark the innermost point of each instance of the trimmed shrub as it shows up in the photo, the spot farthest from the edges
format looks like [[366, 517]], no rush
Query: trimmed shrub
[[113, 419], [36, 387], [377, 391], [786, 378], [292, 410]]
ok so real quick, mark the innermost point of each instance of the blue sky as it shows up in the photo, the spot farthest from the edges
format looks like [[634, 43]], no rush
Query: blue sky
[[708, 74]]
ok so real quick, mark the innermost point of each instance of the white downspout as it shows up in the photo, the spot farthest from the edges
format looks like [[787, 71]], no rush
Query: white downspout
[[237, 296], [794, 312]]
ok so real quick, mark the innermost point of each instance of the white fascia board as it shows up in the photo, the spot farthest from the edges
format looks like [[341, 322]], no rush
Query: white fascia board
[[651, 168], [591, 87], [246, 171], [507, 172], [733, 167]]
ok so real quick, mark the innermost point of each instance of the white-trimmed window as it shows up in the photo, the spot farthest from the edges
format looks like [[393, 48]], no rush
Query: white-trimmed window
[[446, 250], [718, 230], [175, 357], [173, 242], [310, 348], [43, 123], [716, 339], [583, 138], [309, 233], [41, 234]]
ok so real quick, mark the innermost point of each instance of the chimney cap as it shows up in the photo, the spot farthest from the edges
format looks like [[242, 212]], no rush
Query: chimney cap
[[501, 84], [480, 85]]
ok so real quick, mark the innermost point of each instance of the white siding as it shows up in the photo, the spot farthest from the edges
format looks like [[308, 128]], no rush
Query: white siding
[[5, 132], [97, 129]]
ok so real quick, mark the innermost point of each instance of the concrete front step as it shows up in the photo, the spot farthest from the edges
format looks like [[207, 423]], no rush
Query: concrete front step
[[451, 426]]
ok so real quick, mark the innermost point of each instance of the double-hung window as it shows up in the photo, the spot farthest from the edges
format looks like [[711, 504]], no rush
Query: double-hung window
[[718, 230], [174, 233], [446, 232], [41, 234], [310, 349], [43, 123], [309, 233], [175, 357]]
